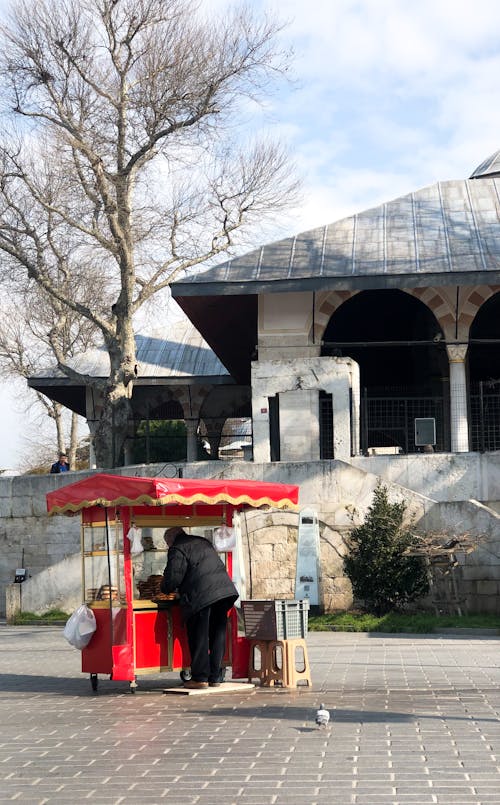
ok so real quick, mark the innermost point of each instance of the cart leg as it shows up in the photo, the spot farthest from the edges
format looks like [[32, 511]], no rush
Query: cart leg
[[133, 686], [93, 681]]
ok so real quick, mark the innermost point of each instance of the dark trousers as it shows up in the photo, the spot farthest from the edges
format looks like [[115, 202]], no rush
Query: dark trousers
[[206, 633]]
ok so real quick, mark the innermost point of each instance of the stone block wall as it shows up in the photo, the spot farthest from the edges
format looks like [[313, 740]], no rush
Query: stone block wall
[[340, 492]]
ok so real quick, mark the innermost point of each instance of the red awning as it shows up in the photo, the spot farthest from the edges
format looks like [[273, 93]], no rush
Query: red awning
[[120, 490]]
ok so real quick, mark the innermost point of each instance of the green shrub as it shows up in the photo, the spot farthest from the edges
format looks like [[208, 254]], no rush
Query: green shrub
[[381, 572]]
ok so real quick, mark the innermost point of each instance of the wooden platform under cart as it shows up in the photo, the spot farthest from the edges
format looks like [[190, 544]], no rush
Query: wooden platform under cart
[[224, 687]]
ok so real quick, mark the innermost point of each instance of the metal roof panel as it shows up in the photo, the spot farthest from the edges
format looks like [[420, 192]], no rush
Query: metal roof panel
[[446, 228]]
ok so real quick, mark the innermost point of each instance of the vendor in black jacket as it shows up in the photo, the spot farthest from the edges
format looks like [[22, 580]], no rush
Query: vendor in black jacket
[[206, 593]]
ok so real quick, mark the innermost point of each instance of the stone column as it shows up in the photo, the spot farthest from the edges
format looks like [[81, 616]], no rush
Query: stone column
[[214, 433], [93, 411], [192, 441], [128, 445], [458, 398], [127, 452], [338, 387], [13, 599], [92, 459]]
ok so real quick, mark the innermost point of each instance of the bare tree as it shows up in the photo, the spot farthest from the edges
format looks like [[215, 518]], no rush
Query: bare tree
[[122, 168], [32, 326]]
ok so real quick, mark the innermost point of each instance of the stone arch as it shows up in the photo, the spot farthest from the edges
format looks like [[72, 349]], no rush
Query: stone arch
[[437, 302], [327, 306], [191, 399], [404, 368], [473, 300], [484, 357], [269, 552]]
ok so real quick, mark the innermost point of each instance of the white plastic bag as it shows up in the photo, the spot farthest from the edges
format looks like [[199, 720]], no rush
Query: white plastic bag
[[80, 627], [134, 535], [224, 538]]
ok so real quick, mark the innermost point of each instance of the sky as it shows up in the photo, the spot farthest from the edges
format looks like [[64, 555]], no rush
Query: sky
[[387, 97]]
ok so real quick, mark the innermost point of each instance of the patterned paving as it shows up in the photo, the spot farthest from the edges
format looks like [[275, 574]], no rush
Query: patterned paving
[[413, 720]]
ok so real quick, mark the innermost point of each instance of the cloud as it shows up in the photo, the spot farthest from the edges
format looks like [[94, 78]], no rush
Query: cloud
[[391, 97]]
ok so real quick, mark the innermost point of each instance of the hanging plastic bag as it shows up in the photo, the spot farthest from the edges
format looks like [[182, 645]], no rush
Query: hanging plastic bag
[[80, 627], [134, 535], [224, 538]]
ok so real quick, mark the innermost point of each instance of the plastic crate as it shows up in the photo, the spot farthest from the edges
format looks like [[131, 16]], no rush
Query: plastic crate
[[275, 620]]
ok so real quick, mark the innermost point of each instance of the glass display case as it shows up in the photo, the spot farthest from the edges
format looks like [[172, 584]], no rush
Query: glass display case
[[148, 564], [103, 564]]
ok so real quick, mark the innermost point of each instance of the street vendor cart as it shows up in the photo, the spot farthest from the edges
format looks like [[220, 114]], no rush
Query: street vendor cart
[[139, 630]]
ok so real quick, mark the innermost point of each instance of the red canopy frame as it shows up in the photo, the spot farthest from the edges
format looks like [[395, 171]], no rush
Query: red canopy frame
[[106, 490]]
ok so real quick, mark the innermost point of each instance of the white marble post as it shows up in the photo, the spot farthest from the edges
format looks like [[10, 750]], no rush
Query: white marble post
[[192, 442], [458, 398], [214, 434]]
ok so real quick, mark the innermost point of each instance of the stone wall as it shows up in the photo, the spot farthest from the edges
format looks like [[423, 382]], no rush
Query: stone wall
[[340, 492], [440, 476]]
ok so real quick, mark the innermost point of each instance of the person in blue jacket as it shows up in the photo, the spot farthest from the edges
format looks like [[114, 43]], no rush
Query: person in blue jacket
[[61, 465], [206, 592]]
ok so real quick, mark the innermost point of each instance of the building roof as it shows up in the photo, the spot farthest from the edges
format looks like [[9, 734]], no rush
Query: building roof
[[184, 354], [445, 234], [490, 167], [183, 357], [439, 235]]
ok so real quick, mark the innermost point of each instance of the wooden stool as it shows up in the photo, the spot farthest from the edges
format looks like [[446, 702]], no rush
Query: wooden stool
[[257, 660], [295, 666], [282, 662]]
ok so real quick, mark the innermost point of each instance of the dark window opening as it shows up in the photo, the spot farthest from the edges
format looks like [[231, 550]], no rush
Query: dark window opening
[[274, 427], [325, 425]]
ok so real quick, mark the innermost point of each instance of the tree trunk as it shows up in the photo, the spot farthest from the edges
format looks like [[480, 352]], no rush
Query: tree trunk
[[111, 430], [59, 422], [73, 440]]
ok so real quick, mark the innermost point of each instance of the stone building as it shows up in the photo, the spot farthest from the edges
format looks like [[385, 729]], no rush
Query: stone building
[[407, 290]]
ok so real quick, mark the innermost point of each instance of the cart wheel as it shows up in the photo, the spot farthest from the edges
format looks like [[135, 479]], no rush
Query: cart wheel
[[93, 681], [133, 686], [185, 674]]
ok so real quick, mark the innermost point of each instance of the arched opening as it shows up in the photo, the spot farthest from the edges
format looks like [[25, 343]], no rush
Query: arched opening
[[484, 376], [404, 376], [161, 435]]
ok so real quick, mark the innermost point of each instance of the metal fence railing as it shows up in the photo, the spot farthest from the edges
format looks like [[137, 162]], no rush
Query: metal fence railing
[[389, 420], [325, 426], [485, 417]]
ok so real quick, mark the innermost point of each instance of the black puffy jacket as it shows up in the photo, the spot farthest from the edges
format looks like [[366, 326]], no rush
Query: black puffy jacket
[[195, 569]]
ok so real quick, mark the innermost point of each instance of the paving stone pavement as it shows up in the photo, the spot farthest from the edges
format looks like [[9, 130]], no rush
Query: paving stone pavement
[[414, 721]]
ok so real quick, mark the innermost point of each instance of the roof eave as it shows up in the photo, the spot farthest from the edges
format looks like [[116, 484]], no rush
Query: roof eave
[[365, 282]]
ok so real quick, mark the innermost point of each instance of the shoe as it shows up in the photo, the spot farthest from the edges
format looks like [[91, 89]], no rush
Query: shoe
[[193, 685], [215, 684]]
